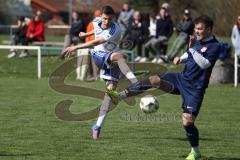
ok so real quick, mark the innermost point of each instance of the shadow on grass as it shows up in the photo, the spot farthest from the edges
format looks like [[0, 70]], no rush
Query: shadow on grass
[[185, 139], [169, 138], [7, 154], [45, 55], [215, 158], [218, 158]]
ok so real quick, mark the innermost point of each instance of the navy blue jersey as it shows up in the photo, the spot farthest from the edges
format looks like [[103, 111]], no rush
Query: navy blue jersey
[[192, 74]]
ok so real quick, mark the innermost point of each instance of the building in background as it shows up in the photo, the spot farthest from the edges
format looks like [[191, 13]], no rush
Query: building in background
[[10, 10], [59, 9], [54, 12]]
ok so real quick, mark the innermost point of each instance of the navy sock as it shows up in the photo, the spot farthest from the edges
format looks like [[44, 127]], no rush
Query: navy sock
[[138, 87], [192, 135]]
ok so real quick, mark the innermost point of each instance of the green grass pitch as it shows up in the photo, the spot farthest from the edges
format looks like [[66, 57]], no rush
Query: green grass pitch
[[30, 129]]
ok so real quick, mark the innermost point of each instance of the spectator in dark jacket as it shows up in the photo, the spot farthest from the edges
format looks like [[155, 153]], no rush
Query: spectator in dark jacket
[[164, 30], [19, 36], [184, 28], [73, 37], [137, 33]]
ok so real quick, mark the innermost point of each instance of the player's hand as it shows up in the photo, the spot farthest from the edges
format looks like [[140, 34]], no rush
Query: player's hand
[[192, 41], [176, 60], [82, 34], [68, 51]]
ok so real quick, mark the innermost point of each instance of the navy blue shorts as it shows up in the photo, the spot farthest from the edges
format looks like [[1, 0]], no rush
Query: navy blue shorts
[[110, 72], [192, 97]]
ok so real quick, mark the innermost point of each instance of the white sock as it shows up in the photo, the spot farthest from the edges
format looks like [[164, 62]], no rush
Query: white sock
[[101, 119], [126, 70], [131, 77], [195, 149]]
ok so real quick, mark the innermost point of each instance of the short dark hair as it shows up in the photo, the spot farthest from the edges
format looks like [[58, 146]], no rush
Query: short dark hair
[[108, 10], [205, 20]]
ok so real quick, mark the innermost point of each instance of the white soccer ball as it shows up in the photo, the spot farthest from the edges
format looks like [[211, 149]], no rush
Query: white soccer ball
[[149, 104]]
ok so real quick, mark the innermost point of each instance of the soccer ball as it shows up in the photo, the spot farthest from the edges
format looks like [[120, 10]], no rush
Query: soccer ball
[[149, 104]]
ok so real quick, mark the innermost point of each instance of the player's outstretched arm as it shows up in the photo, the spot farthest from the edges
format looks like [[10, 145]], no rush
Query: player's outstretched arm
[[68, 51], [84, 34]]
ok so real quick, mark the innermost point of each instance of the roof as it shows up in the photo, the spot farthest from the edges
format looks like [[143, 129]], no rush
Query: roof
[[83, 6]]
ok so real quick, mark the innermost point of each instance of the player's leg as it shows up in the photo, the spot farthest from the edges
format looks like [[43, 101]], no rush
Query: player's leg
[[119, 58], [105, 107], [192, 135], [136, 88], [165, 82]]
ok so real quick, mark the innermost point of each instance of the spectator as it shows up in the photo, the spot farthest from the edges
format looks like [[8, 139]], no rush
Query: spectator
[[19, 36], [35, 32], [137, 33], [184, 28], [124, 19], [166, 6], [39, 13], [164, 30], [97, 13], [236, 37], [73, 36], [87, 69], [151, 37]]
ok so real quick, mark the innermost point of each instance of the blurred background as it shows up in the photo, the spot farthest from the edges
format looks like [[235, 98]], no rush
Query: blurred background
[[57, 11], [30, 126]]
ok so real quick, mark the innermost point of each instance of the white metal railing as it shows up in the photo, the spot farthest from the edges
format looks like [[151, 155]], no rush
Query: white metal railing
[[37, 48], [236, 65], [12, 27]]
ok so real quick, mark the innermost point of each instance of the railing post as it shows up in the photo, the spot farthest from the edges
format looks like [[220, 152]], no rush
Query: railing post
[[235, 70], [39, 63]]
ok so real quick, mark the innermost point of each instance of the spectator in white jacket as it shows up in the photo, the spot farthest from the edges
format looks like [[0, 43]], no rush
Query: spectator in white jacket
[[236, 37]]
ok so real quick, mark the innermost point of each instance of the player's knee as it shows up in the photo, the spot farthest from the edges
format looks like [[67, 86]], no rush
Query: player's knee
[[116, 56], [186, 123], [154, 80], [187, 119]]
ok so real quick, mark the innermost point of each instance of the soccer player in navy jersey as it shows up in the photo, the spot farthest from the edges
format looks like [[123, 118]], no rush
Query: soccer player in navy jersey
[[107, 57], [191, 83]]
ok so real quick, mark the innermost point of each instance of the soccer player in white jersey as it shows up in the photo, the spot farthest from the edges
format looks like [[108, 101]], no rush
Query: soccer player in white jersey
[[107, 57]]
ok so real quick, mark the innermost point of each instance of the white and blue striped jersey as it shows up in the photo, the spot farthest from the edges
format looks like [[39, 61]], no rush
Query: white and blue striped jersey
[[112, 36]]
